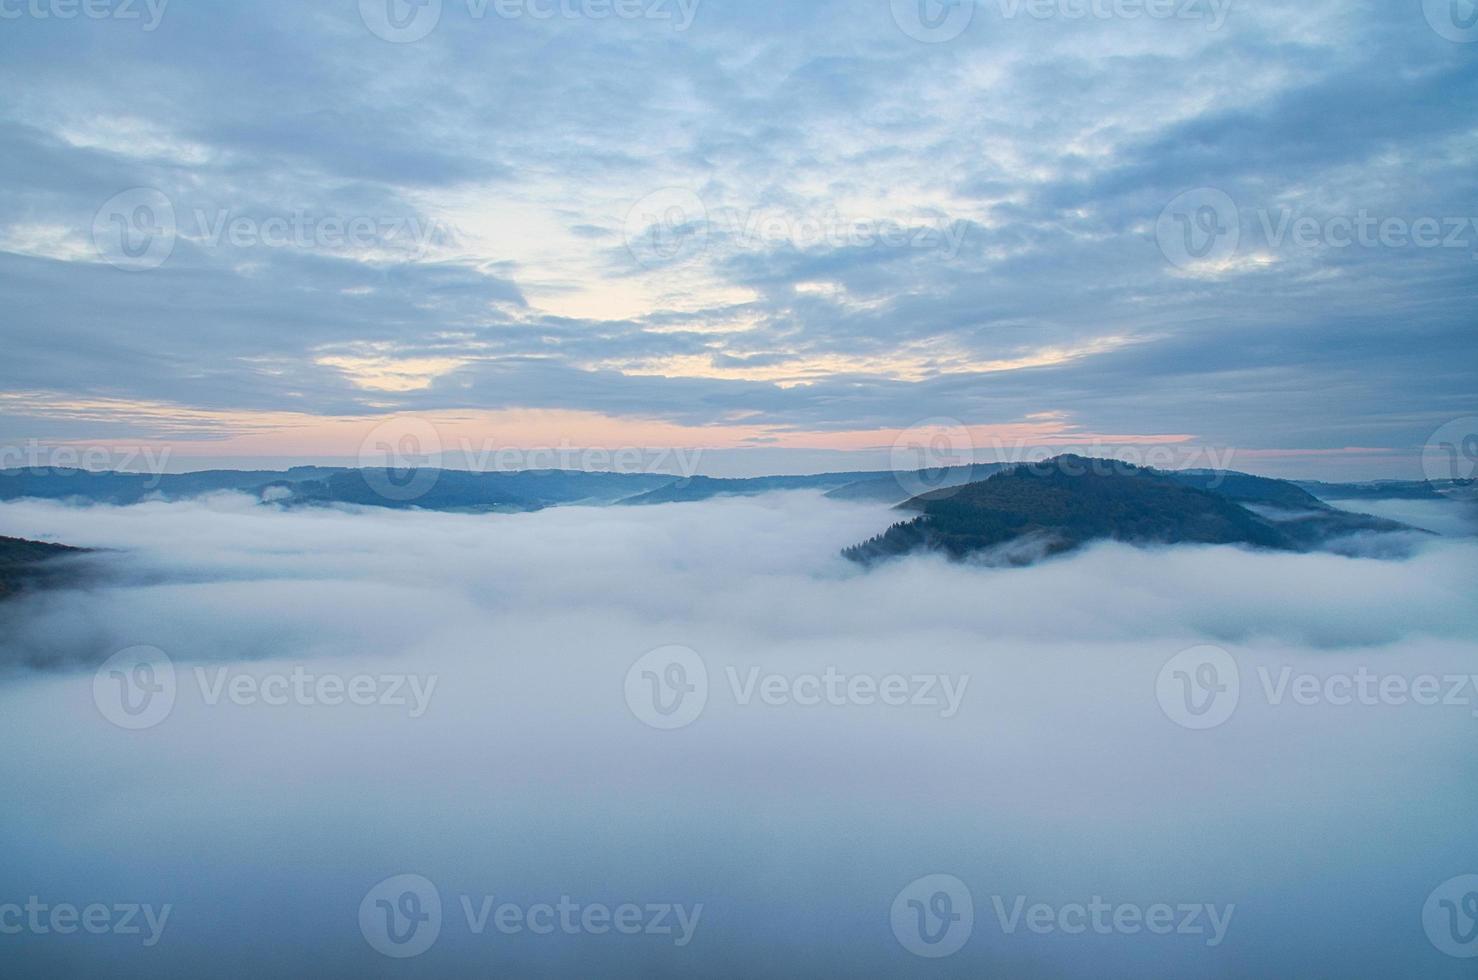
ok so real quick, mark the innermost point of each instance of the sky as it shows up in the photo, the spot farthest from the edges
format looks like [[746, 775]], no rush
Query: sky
[[796, 235], [505, 751]]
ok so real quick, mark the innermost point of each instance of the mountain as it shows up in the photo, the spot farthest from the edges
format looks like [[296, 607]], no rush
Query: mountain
[[1378, 490], [1246, 488], [894, 488], [121, 489], [26, 564], [707, 487], [461, 490], [1038, 510]]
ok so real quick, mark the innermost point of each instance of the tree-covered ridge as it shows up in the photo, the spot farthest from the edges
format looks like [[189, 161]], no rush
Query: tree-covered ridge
[[1066, 502], [25, 562]]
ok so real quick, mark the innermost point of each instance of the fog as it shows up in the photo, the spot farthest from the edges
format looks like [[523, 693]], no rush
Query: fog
[[518, 762]]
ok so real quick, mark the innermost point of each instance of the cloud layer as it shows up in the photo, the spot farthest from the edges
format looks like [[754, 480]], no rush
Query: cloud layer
[[854, 229], [530, 775]]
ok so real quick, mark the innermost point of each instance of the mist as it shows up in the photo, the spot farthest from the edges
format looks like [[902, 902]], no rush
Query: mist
[[1007, 727]]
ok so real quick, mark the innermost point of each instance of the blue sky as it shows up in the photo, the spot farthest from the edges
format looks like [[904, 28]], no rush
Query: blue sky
[[259, 230]]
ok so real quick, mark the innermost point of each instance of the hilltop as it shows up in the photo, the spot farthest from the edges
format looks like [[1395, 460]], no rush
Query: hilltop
[[1038, 510]]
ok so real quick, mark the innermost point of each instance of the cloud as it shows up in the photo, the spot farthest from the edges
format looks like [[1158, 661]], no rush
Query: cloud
[[531, 140], [529, 776]]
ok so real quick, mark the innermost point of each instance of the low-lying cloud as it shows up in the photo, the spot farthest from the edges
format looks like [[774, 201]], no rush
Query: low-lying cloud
[[491, 705]]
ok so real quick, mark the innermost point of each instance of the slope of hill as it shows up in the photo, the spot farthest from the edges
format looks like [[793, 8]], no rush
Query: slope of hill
[[894, 488], [30, 563], [1378, 490], [460, 490], [707, 487], [1047, 509], [1246, 488]]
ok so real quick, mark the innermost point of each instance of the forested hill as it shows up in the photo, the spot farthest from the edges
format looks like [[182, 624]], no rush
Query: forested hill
[[24, 563], [1053, 507]]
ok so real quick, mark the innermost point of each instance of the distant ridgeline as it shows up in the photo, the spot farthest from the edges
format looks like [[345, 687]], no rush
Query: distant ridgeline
[[1037, 510], [461, 490], [531, 490]]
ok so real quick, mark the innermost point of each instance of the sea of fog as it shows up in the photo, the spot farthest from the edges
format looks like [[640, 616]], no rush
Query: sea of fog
[[691, 740]]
